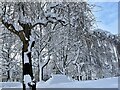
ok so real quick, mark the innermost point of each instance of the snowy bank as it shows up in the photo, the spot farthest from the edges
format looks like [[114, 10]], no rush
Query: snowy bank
[[58, 79], [101, 83]]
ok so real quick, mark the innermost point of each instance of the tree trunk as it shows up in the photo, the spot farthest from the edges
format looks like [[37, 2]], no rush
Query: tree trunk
[[41, 73], [27, 67], [88, 43], [8, 77], [27, 62], [41, 68], [28, 43]]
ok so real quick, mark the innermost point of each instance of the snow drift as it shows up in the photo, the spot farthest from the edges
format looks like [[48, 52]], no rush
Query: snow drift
[[62, 82]]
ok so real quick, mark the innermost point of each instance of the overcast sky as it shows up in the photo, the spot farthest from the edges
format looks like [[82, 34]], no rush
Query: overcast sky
[[107, 16]]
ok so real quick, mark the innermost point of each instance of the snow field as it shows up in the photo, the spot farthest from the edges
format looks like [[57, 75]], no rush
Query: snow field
[[63, 82]]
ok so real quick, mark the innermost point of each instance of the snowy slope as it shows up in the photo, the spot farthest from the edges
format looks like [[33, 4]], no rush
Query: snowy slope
[[101, 83]]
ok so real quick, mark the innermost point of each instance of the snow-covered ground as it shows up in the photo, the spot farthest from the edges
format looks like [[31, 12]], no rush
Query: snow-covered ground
[[62, 82], [10, 85]]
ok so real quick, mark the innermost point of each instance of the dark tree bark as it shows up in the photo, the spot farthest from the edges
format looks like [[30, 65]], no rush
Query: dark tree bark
[[8, 77], [27, 67]]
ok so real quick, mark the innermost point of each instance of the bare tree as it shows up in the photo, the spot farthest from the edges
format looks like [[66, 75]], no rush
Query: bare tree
[[17, 16]]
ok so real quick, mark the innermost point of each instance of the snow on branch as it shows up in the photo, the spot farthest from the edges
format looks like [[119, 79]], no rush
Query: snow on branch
[[49, 19], [10, 27], [76, 58]]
